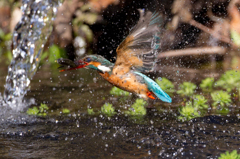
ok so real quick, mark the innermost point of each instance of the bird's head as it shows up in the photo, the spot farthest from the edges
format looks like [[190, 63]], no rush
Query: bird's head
[[95, 62]]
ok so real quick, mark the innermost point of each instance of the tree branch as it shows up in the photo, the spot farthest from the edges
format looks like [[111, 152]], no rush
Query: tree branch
[[193, 51]]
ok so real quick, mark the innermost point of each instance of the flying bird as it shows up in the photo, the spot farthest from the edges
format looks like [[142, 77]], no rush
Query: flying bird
[[136, 56]]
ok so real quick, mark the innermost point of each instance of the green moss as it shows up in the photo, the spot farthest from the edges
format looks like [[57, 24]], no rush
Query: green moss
[[43, 107], [221, 98], [207, 84], [118, 92], [229, 80], [186, 89], [90, 111], [65, 111], [108, 109], [188, 112], [32, 111], [138, 108], [41, 111], [200, 102], [231, 155], [166, 85]]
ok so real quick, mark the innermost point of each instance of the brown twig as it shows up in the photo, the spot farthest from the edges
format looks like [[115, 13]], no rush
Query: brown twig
[[193, 51], [212, 32]]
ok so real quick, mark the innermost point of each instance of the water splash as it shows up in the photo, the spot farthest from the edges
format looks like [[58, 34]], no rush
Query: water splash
[[29, 38]]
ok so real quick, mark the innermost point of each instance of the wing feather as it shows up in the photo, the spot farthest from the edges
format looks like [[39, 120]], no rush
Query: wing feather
[[138, 51]]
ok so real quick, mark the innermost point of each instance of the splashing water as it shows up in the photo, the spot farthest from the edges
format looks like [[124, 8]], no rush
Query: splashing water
[[29, 38]]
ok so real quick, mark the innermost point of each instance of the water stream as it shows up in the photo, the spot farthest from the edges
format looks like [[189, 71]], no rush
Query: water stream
[[29, 38]]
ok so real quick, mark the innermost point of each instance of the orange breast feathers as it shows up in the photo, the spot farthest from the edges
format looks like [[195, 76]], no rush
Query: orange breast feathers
[[127, 82]]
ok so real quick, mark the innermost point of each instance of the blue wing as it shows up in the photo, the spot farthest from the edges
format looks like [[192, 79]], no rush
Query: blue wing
[[155, 88]]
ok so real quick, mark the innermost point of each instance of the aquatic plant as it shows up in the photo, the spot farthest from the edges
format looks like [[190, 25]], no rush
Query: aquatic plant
[[43, 107], [186, 89], [65, 111], [188, 112], [229, 80], [90, 111], [231, 155], [41, 111], [138, 108], [53, 53], [108, 109], [221, 98], [166, 85], [200, 102], [33, 111], [118, 92], [207, 84]]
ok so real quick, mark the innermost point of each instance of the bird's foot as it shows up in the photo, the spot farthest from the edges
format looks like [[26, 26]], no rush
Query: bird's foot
[[149, 94]]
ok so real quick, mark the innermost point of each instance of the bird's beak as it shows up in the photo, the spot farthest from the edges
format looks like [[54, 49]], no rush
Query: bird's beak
[[72, 65]]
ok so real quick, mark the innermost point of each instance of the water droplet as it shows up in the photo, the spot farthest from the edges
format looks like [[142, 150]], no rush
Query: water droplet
[[77, 123]]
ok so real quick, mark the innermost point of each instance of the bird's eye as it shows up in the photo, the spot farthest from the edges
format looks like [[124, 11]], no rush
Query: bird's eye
[[88, 59]]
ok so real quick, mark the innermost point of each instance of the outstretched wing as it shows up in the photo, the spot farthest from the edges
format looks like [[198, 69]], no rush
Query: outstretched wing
[[139, 49]]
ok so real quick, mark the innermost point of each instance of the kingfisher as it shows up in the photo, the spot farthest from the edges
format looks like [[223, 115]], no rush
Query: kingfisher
[[136, 56]]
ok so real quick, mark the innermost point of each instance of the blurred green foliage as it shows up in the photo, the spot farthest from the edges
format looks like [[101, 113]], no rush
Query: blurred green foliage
[[108, 109], [65, 111], [235, 37], [200, 102], [231, 155], [41, 111], [186, 89], [138, 108], [5, 45], [229, 80], [188, 112], [53, 53], [33, 111], [84, 18], [90, 111], [193, 109], [207, 84], [118, 92], [221, 98]]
